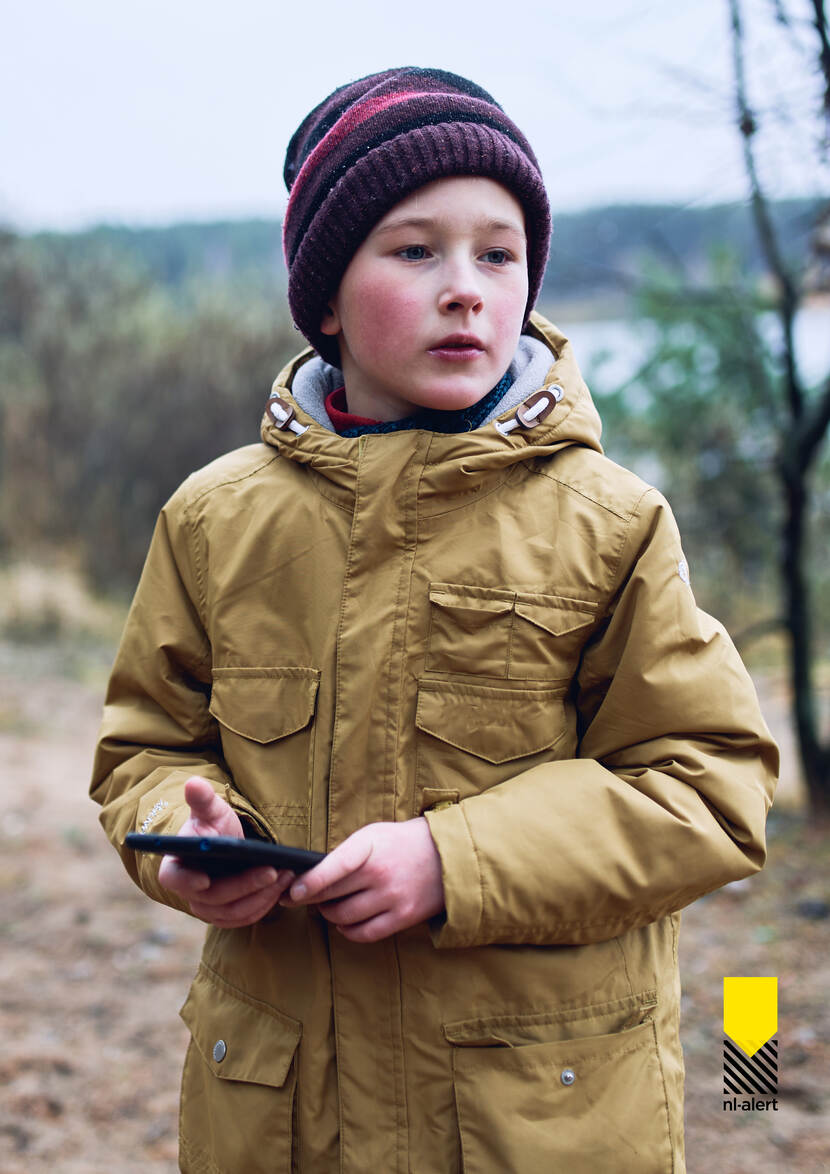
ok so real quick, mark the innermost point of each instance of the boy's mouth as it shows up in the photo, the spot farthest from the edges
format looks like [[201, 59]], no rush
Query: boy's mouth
[[458, 346]]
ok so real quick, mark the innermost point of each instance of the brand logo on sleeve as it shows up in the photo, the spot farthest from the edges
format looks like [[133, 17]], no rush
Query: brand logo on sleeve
[[152, 814], [750, 1049]]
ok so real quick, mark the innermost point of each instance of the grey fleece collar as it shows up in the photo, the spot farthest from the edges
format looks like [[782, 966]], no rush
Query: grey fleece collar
[[316, 379]]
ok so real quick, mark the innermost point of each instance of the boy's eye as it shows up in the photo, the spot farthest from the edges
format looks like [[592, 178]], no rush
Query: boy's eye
[[497, 256], [413, 252]]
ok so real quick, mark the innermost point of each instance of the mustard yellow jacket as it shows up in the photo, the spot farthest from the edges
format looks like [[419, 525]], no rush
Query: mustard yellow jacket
[[495, 629]]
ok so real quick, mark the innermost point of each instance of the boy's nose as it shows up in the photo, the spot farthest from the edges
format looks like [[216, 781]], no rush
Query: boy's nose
[[461, 292]]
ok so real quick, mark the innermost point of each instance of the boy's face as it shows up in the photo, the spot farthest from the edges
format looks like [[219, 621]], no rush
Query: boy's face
[[449, 260]]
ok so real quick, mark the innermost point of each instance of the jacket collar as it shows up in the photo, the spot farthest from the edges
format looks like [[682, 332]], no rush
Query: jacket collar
[[316, 380], [554, 410]]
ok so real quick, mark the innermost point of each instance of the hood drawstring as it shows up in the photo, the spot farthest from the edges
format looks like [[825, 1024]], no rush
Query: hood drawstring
[[283, 415], [528, 414], [533, 410]]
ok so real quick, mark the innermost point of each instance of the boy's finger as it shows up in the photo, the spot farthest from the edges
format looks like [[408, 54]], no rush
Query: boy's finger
[[355, 908], [372, 930], [184, 881], [206, 807], [243, 912], [227, 890], [352, 882], [351, 855]]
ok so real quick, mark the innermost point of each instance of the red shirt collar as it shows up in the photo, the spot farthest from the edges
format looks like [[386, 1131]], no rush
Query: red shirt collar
[[339, 414]]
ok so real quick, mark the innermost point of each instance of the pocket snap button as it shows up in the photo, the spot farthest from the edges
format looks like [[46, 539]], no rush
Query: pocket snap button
[[220, 1050], [568, 1076]]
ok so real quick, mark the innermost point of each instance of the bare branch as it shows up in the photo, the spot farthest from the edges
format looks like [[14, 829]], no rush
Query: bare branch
[[748, 127], [757, 630], [814, 426], [824, 59], [800, 438]]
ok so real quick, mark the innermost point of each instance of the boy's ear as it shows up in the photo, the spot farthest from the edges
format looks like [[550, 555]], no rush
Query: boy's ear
[[331, 320]]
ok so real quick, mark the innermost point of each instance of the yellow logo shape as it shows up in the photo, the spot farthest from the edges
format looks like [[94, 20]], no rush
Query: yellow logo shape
[[750, 1011]]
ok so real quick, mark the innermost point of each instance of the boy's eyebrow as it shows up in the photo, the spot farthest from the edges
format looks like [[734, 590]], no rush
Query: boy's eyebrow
[[486, 225]]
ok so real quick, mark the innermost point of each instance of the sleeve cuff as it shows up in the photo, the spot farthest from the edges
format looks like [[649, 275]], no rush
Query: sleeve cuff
[[463, 897]]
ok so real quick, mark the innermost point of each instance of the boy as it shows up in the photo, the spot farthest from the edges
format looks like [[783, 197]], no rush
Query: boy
[[428, 627]]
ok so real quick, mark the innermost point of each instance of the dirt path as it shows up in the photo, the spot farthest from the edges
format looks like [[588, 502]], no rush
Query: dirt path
[[92, 973]]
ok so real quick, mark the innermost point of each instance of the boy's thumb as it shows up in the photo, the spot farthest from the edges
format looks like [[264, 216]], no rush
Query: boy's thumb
[[205, 805]]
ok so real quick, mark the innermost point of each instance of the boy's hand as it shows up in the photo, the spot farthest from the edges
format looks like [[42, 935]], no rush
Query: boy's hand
[[231, 901], [385, 877]]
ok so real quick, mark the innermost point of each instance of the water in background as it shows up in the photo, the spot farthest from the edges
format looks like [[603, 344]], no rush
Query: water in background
[[614, 348]]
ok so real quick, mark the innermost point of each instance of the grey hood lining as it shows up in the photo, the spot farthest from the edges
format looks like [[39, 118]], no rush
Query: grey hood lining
[[316, 379]]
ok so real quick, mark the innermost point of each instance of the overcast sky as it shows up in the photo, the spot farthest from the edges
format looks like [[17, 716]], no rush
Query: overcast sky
[[167, 110]]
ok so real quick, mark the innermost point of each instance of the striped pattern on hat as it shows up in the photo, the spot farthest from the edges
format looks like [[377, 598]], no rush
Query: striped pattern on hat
[[369, 145]]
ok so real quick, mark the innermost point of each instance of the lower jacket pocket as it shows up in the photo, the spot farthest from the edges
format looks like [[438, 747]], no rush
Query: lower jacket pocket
[[239, 1082], [593, 1105]]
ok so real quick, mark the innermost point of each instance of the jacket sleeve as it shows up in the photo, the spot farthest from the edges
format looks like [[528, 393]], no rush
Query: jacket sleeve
[[157, 730], [666, 800]]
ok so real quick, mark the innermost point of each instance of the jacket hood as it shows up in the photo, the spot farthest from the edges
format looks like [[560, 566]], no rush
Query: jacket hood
[[548, 407]]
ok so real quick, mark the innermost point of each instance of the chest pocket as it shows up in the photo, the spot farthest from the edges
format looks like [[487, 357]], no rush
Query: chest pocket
[[265, 723], [496, 632]]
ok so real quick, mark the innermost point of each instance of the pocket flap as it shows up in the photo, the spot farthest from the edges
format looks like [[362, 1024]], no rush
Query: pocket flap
[[552, 1026], [556, 614], [486, 600], [264, 704], [495, 724], [239, 1037]]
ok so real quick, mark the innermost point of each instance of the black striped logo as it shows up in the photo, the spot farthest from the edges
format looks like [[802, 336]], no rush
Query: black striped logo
[[754, 1075]]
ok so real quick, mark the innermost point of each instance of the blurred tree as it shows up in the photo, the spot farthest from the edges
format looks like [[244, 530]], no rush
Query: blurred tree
[[112, 393], [803, 414], [724, 405], [696, 419]]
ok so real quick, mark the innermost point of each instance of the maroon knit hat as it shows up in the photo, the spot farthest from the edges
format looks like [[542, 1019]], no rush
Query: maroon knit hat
[[369, 145]]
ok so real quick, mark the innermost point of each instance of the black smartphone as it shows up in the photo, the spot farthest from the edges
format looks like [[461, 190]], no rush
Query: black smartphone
[[224, 855]]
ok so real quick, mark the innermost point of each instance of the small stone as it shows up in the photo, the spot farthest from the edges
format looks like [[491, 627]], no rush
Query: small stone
[[764, 934], [813, 909]]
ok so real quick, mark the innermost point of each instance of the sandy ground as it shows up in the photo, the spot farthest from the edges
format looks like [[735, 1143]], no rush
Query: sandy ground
[[92, 973]]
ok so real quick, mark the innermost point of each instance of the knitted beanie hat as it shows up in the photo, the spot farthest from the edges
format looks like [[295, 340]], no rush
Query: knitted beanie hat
[[369, 145]]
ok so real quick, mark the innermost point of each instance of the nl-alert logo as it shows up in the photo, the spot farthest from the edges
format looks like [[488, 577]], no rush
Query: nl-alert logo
[[750, 1049]]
